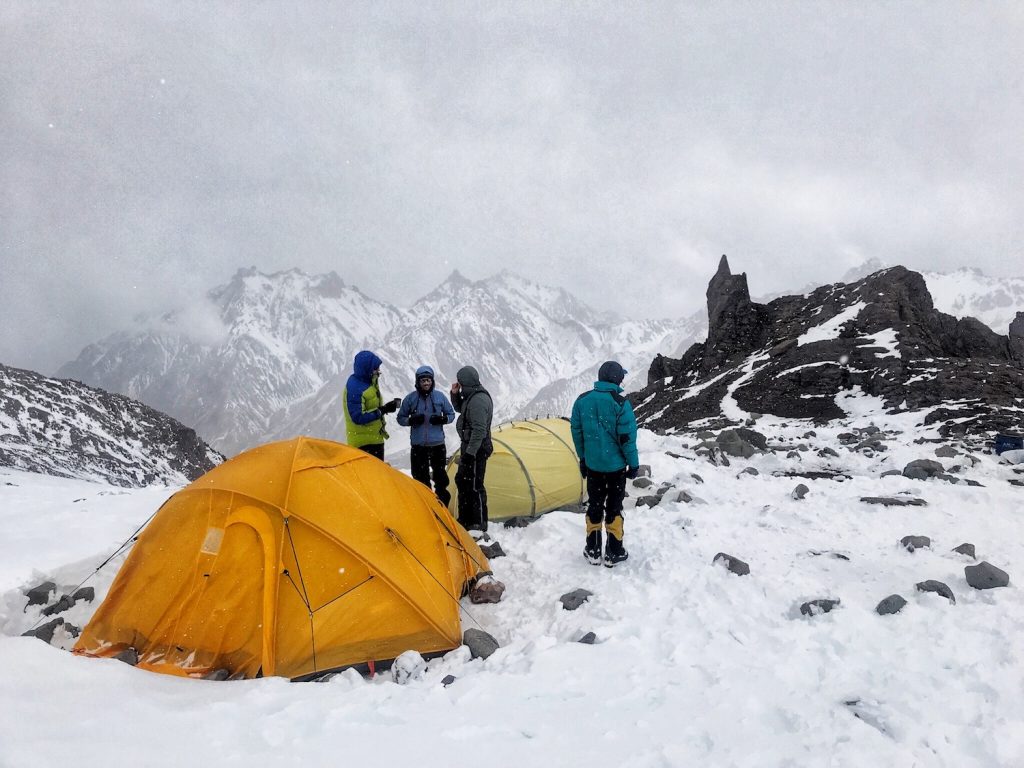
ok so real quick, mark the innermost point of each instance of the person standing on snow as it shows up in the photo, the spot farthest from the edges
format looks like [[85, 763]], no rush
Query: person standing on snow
[[604, 432], [364, 406], [476, 409], [426, 411]]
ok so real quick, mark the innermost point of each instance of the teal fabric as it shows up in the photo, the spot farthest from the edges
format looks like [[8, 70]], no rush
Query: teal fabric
[[604, 429]]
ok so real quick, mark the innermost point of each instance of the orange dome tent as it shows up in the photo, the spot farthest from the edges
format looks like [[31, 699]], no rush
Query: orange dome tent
[[291, 559]]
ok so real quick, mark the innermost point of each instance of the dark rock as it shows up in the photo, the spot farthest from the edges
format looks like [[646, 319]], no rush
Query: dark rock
[[891, 472], [129, 656], [486, 590], [799, 492], [643, 482], [826, 451], [734, 564], [480, 644], [923, 466], [782, 348], [696, 478], [910, 543], [830, 553], [984, 575], [573, 600], [520, 521], [643, 470], [890, 605], [931, 585], [40, 594], [447, 680], [218, 674], [794, 455], [965, 549], [492, 550], [648, 501], [731, 442], [889, 501], [72, 629], [84, 593], [748, 471], [588, 639], [60, 606], [45, 631], [847, 438], [946, 452], [809, 434], [821, 605]]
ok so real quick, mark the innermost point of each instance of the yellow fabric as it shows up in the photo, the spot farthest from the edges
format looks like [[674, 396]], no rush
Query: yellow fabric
[[615, 527], [591, 527], [292, 558], [534, 469]]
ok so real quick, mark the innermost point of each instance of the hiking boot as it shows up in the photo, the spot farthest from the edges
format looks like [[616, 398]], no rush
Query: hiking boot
[[611, 559], [592, 551]]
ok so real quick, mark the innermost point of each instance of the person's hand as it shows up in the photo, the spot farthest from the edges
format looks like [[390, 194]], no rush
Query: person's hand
[[438, 418], [416, 419], [631, 472], [391, 406], [583, 468], [456, 388]]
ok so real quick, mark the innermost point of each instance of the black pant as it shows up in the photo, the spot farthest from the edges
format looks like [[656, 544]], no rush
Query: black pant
[[472, 494], [430, 460], [377, 449], [606, 491]]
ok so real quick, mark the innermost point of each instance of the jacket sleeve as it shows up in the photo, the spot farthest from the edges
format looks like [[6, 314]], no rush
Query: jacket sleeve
[[477, 417], [446, 408], [626, 428], [354, 403], [457, 400], [406, 409], [576, 427]]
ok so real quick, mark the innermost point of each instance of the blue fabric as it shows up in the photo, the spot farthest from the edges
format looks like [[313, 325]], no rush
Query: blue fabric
[[429, 404], [363, 366], [604, 429]]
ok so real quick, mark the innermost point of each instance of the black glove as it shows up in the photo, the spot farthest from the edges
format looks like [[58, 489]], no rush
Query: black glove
[[438, 418], [631, 472], [583, 468], [391, 406], [416, 419]]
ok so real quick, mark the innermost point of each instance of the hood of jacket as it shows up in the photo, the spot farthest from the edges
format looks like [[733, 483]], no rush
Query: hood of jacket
[[365, 364], [468, 377], [423, 370]]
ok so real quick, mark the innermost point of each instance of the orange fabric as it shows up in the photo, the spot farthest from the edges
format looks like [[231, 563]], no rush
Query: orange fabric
[[291, 558]]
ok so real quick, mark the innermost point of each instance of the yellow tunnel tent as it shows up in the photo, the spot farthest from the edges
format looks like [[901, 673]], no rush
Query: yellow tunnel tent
[[290, 559], [534, 469]]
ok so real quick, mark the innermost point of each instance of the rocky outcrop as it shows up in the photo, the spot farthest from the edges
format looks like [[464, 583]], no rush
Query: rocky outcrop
[[792, 356]]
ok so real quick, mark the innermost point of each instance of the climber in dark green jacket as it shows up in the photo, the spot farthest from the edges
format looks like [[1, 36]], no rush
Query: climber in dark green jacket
[[476, 410], [604, 433]]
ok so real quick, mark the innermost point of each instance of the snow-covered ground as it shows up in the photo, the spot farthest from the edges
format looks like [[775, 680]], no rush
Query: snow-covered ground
[[693, 665]]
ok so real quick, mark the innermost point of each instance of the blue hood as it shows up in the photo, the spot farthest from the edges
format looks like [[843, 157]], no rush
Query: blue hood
[[365, 364]]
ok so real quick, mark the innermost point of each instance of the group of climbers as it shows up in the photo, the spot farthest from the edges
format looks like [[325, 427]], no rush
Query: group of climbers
[[603, 430]]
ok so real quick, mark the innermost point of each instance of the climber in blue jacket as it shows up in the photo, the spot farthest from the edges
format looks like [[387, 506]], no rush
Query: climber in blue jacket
[[425, 411]]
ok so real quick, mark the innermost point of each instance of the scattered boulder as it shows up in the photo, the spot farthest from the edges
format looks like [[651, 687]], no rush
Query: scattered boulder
[[910, 543], [447, 680], [890, 605], [782, 348], [588, 639], [830, 553], [931, 585], [573, 600], [984, 575], [696, 478], [648, 501], [922, 469], [734, 564], [218, 674], [826, 451], [946, 452], [45, 631], [129, 656], [966, 549], [40, 594], [748, 471], [480, 644], [643, 470], [890, 501], [60, 606], [847, 437], [487, 589], [731, 442], [663, 489], [799, 492], [891, 472], [818, 606], [520, 521], [684, 497], [409, 666], [492, 550], [794, 455], [643, 482], [71, 629], [84, 593]]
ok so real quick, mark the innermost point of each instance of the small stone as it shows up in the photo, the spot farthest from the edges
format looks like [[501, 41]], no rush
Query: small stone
[[889, 501], [40, 594], [643, 470], [684, 497], [696, 478], [734, 564], [648, 501], [486, 590], [748, 471], [794, 455], [890, 605], [965, 549], [910, 543], [84, 593], [492, 550], [931, 585], [643, 482], [799, 492], [891, 472], [946, 452], [60, 606], [573, 600], [588, 639], [45, 631], [447, 680], [828, 452], [480, 644], [663, 489], [819, 606], [218, 674], [915, 473], [129, 656], [984, 575], [926, 466], [520, 521]]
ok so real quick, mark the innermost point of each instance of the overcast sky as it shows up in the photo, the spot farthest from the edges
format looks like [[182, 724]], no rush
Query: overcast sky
[[148, 150]]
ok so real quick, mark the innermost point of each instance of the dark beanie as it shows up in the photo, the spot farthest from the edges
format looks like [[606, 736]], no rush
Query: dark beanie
[[611, 372]]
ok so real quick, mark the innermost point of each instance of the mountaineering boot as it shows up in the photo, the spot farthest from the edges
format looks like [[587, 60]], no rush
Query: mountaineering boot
[[592, 551], [614, 552]]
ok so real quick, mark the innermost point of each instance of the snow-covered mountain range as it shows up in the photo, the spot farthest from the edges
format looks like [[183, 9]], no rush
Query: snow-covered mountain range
[[266, 356], [63, 428]]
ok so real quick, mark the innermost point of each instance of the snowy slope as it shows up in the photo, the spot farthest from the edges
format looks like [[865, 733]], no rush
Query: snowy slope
[[971, 293], [692, 665]]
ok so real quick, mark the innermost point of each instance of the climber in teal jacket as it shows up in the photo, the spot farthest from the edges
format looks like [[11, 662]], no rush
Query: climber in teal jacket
[[604, 433]]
